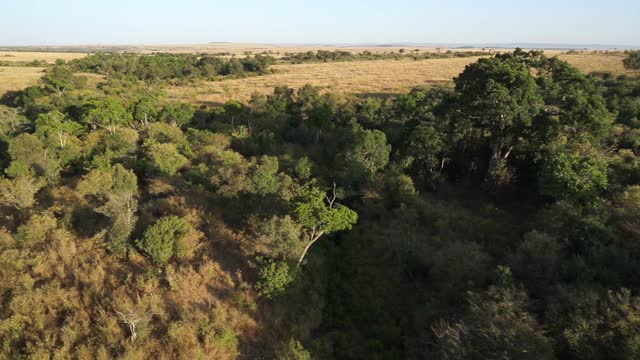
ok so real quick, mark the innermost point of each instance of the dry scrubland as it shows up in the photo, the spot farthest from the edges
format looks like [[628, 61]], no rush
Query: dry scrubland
[[361, 77]]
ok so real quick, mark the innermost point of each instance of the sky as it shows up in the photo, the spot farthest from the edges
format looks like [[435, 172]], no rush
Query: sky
[[93, 22]]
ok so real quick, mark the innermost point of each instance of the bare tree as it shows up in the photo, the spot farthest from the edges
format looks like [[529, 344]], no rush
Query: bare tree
[[133, 319]]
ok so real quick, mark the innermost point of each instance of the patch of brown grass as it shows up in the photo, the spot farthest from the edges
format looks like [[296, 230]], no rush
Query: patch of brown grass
[[357, 77], [587, 63], [28, 56], [17, 78]]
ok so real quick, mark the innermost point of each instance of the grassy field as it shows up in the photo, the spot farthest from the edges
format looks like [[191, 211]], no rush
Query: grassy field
[[358, 77], [27, 56], [379, 77], [364, 77], [588, 63], [17, 78]]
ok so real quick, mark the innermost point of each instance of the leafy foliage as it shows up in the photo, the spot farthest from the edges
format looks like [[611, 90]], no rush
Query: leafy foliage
[[161, 239]]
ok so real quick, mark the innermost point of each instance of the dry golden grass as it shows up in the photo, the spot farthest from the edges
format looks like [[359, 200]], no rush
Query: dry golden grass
[[362, 77], [588, 63], [358, 77], [28, 56], [17, 78]]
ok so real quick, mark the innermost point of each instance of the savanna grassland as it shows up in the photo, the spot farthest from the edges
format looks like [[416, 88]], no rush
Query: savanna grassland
[[377, 77]]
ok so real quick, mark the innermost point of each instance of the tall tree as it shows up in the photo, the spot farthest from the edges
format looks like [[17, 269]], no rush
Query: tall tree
[[320, 214], [116, 192], [109, 114], [497, 100]]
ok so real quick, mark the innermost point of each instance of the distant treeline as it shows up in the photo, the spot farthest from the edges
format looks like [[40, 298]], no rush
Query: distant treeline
[[343, 55], [165, 66]]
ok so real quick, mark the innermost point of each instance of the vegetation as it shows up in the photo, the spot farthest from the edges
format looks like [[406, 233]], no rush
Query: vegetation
[[165, 66], [342, 55], [494, 219]]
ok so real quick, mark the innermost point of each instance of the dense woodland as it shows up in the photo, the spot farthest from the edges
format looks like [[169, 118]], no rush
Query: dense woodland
[[493, 219], [165, 66], [343, 55]]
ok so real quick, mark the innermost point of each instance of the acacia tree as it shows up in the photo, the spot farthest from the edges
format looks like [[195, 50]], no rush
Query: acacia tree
[[319, 214], [108, 114], [60, 78], [54, 125], [145, 110]]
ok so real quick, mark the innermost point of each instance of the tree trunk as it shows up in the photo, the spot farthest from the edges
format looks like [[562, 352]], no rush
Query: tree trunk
[[314, 238]]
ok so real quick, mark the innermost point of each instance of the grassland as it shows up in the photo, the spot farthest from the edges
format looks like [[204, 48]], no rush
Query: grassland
[[587, 63], [27, 56], [17, 78], [359, 77], [362, 77]]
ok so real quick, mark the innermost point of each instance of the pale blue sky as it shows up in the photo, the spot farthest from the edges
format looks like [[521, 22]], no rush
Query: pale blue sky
[[68, 22]]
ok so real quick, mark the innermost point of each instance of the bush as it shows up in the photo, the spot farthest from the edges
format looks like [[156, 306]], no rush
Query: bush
[[273, 279], [292, 350], [160, 239], [166, 159]]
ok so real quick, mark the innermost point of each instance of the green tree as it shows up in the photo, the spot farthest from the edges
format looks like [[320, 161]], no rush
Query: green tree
[[592, 326], [273, 278], [426, 147], [233, 108], [177, 114], [161, 239], [166, 158], [264, 176], [370, 153], [303, 168], [144, 110], [11, 121], [319, 214], [229, 175], [574, 174], [497, 99], [20, 191], [279, 238], [60, 78], [496, 326], [54, 126], [116, 192], [30, 158], [109, 114], [632, 61], [292, 350]]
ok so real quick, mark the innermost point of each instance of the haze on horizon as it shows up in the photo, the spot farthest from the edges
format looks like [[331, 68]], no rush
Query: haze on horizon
[[73, 22]]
